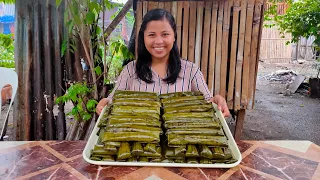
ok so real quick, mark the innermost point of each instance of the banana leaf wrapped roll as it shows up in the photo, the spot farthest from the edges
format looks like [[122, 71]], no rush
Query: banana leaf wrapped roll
[[111, 148], [132, 136], [116, 144], [180, 151], [94, 158], [167, 161], [205, 151], [132, 159], [136, 149], [150, 115], [180, 160], [102, 124], [150, 148], [124, 151], [155, 160], [205, 161], [140, 122], [167, 117], [134, 93], [133, 118], [101, 133], [227, 153], [108, 158], [143, 159], [192, 160], [169, 152], [226, 161], [174, 100], [152, 155], [187, 109], [134, 110], [191, 124], [192, 151], [180, 94], [198, 131], [138, 98], [187, 103], [230, 161], [141, 103], [134, 129], [174, 139], [217, 153], [98, 150]]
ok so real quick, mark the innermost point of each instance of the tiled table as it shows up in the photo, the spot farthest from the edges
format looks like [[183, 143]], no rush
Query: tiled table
[[63, 160]]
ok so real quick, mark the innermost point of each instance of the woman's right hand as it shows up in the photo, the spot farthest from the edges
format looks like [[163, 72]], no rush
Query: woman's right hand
[[102, 103]]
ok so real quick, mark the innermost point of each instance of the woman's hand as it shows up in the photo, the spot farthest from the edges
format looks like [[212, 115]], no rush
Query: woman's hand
[[102, 103], [222, 105]]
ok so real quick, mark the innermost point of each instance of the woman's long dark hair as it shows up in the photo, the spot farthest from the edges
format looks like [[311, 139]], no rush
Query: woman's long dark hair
[[143, 68]]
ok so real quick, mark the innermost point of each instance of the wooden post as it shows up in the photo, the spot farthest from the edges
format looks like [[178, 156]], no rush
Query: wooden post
[[239, 124]]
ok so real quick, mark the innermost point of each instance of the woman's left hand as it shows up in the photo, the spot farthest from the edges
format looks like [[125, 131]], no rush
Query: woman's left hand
[[222, 105]]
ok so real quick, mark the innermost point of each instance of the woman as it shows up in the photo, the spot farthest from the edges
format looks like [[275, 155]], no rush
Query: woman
[[159, 67]]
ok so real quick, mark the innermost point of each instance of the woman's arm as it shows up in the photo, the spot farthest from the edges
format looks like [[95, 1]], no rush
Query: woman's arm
[[199, 84]]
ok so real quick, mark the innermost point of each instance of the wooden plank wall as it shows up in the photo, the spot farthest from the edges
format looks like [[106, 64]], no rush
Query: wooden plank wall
[[222, 37]]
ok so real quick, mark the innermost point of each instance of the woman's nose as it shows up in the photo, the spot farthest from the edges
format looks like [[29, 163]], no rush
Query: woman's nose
[[158, 39]]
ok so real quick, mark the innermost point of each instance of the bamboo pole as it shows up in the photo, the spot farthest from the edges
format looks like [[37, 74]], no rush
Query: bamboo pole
[[179, 24], [213, 37], [200, 6], [185, 30], [192, 30]]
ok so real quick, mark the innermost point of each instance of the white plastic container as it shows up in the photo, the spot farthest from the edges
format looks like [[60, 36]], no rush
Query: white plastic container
[[232, 145]]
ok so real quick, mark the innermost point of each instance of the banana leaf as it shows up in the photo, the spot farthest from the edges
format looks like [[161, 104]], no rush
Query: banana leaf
[[152, 155], [174, 100], [150, 115], [140, 122], [98, 150], [190, 119], [132, 159], [205, 151], [116, 144], [197, 139], [192, 160], [132, 136], [108, 158], [199, 131], [150, 148], [143, 159], [95, 158], [137, 98], [213, 125], [167, 161], [227, 153], [111, 148], [180, 94], [169, 152], [141, 103], [124, 151], [102, 124], [192, 151], [191, 115], [180, 151], [155, 160], [132, 117], [180, 160], [186, 103], [205, 161], [136, 149], [226, 161], [187, 109], [101, 132], [134, 110], [134, 93], [217, 153], [132, 128]]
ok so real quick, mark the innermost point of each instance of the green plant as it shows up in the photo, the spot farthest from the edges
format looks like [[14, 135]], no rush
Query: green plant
[[7, 51], [102, 54]]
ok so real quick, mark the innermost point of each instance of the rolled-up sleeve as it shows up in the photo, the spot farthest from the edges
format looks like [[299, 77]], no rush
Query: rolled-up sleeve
[[199, 84]]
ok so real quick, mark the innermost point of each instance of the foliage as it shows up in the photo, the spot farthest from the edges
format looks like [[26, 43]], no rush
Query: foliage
[[7, 51], [8, 1], [104, 57], [78, 93]]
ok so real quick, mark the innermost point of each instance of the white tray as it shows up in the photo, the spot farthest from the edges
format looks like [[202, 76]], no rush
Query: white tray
[[232, 145]]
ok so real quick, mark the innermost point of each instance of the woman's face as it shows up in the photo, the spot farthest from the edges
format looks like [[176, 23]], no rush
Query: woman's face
[[159, 39]]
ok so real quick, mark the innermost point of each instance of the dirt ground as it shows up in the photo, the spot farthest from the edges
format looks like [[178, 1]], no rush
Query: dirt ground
[[276, 116]]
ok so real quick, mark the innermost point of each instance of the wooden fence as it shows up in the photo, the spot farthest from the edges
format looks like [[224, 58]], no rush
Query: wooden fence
[[273, 47]]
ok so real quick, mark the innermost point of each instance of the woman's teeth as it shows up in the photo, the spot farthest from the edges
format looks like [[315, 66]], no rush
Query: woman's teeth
[[159, 48]]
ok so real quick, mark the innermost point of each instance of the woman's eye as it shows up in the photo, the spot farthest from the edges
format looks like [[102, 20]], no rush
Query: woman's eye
[[165, 34], [151, 35]]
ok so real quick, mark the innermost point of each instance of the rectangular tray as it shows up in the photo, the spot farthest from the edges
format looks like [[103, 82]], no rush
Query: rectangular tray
[[232, 145]]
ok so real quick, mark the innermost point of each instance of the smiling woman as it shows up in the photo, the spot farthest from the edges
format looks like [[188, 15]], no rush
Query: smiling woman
[[159, 67]]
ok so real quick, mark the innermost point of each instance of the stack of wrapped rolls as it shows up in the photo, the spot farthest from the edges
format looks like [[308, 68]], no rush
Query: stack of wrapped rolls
[[130, 129], [193, 131]]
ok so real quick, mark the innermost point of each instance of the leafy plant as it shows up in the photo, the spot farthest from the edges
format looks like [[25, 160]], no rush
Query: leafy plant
[[7, 51]]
